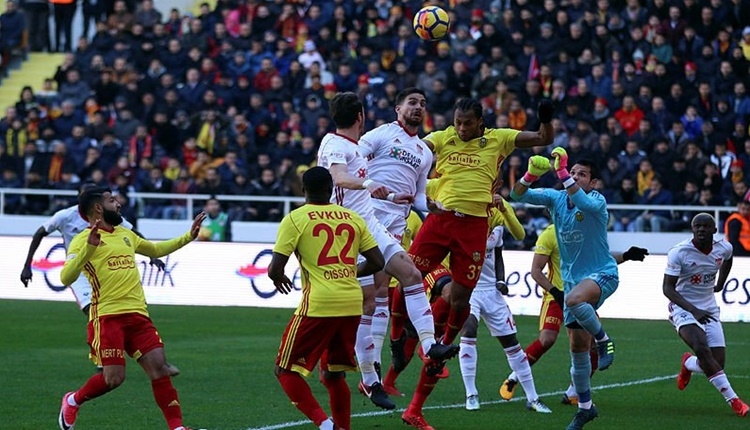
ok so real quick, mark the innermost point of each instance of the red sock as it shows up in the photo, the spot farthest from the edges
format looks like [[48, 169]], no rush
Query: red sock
[[594, 360], [440, 311], [411, 345], [398, 314], [299, 393], [424, 387], [341, 402], [93, 388], [390, 377], [166, 398], [391, 292], [535, 351], [456, 320]]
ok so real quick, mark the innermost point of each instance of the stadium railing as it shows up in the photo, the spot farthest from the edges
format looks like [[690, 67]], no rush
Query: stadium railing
[[193, 200]]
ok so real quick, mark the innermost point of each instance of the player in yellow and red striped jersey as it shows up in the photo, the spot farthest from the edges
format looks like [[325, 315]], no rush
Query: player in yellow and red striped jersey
[[119, 322]]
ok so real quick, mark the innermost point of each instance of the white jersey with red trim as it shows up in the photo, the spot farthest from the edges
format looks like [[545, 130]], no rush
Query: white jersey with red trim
[[696, 271], [397, 159], [69, 223], [338, 149]]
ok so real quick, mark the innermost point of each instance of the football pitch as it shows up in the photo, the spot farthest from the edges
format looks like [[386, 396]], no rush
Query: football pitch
[[226, 358]]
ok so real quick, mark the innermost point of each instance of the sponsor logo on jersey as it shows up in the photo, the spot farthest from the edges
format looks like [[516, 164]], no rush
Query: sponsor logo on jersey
[[405, 157], [121, 262], [463, 159]]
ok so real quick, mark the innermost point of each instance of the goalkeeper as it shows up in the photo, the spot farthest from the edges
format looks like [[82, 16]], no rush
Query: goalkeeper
[[589, 272]]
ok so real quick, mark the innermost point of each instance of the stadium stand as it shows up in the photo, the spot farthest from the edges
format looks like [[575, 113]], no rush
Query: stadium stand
[[232, 99]]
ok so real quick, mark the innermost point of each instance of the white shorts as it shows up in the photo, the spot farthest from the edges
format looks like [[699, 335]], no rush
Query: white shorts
[[714, 332], [490, 305], [387, 243], [395, 223], [81, 291]]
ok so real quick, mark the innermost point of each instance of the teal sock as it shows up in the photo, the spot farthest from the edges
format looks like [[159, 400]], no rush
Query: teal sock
[[581, 374], [586, 316]]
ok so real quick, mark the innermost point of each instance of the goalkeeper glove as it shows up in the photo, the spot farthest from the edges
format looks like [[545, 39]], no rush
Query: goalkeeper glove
[[635, 254], [538, 166], [558, 296], [544, 111]]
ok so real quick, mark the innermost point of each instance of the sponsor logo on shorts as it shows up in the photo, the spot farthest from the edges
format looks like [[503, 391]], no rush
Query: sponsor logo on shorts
[[552, 320], [112, 353]]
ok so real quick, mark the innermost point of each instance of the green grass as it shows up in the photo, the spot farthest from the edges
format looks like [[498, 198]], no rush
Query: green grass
[[226, 357]]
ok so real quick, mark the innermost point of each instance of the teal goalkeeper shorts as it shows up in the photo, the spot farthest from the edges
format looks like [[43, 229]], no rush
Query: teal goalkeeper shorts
[[608, 283]]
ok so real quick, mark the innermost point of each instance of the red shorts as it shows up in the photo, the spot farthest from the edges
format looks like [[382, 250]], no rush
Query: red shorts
[[463, 236], [551, 316], [113, 336], [307, 338]]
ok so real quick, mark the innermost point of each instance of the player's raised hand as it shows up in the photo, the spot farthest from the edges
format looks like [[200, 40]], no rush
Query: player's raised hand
[[95, 238], [702, 316], [499, 202], [283, 285], [635, 254], [545, 110], [160, 265], [538, 166], [377, 190], [560, 157], [26, 275], [197, 221]]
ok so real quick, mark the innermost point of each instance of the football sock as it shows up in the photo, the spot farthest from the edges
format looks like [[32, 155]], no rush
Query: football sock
[[594, 357], [720, 381], [424, 387], [398, 314], [535, 351], [299, 393], [340, 399], [693, 365], [571, 391], [379, 326], [420, 315], [520, 365], [409, 348], [166, 398], [96, 386], [467, 359], [390, 377], [581, 374], [585, 314], [326, 425], [440, 311], [456, 320], [363, 348]]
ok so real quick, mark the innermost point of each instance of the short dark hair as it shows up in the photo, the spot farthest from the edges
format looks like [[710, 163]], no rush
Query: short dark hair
[[344, 108], [469, 105], [593, 167], [317, 181], [90, 196], [401, 96]]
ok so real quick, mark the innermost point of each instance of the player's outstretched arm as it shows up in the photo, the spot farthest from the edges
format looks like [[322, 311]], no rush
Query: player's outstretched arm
[[154, 261], [583, 201], [156, 250], [510, 220], [500, 272], [374, 262], [669, 287], [36, 240], [342, 178], [545, 135], [538, 166], [633, 253], [724, 270], [276, 273]]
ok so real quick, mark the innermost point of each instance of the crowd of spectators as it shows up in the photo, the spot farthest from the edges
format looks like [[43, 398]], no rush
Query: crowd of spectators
[[234, 100]]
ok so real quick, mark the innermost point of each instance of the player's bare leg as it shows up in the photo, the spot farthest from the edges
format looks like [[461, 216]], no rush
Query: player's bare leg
[[580, 302], [711, 362]]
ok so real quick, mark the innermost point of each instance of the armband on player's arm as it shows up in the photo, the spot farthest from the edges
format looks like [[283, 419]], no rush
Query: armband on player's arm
[[76, 259]]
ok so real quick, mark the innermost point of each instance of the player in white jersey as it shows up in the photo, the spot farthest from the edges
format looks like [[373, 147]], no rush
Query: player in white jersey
[[689, 284], [69, 223], [398, 159], [487, 303], [342, 156]]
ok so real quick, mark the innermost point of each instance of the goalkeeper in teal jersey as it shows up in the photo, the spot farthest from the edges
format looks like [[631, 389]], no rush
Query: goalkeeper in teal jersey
[[588, 269]]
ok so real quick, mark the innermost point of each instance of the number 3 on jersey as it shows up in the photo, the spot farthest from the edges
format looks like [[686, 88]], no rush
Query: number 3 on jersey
[[325, 258]]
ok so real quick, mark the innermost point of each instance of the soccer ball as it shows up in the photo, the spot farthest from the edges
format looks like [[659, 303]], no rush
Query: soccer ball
[[431, 23]]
